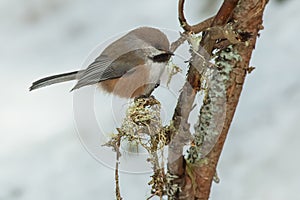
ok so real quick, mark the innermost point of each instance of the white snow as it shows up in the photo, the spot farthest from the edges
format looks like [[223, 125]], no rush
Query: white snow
[[41, 156]]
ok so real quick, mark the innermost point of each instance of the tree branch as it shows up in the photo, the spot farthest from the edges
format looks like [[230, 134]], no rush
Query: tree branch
[[248, 16], [194, 180]]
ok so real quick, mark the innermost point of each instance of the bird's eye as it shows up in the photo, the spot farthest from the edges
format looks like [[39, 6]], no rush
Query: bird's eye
[[164, 57]]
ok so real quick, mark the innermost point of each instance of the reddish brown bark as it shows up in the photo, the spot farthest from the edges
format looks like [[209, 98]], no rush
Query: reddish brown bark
[[246, 17]]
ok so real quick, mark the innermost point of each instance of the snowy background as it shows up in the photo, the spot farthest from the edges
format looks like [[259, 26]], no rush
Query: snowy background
[[41, 156]]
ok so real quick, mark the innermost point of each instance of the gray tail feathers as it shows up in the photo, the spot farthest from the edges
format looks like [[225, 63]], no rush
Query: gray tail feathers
[[54, 79]]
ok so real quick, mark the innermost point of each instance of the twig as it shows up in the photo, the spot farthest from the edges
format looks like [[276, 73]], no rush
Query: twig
[[118, 155], [202, 25], [181, 17], [185, 25], [178, 42]]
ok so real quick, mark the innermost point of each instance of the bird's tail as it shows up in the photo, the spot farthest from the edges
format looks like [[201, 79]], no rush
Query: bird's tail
[[54, 79]]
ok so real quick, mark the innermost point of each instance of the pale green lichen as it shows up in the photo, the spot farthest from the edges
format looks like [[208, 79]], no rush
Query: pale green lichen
[[194, 41], [212, 112], [142, 126], [172, 188]]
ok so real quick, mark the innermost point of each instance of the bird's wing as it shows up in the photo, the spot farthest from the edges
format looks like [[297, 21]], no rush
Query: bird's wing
[[104, 68]]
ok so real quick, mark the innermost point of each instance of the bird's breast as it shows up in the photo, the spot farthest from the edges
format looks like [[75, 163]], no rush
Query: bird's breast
[[140, 80]]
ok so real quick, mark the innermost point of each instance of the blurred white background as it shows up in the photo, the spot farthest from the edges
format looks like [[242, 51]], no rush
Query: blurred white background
[[40, 154]]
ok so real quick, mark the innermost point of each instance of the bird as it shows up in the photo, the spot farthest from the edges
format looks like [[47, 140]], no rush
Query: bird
[[129, 67]]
